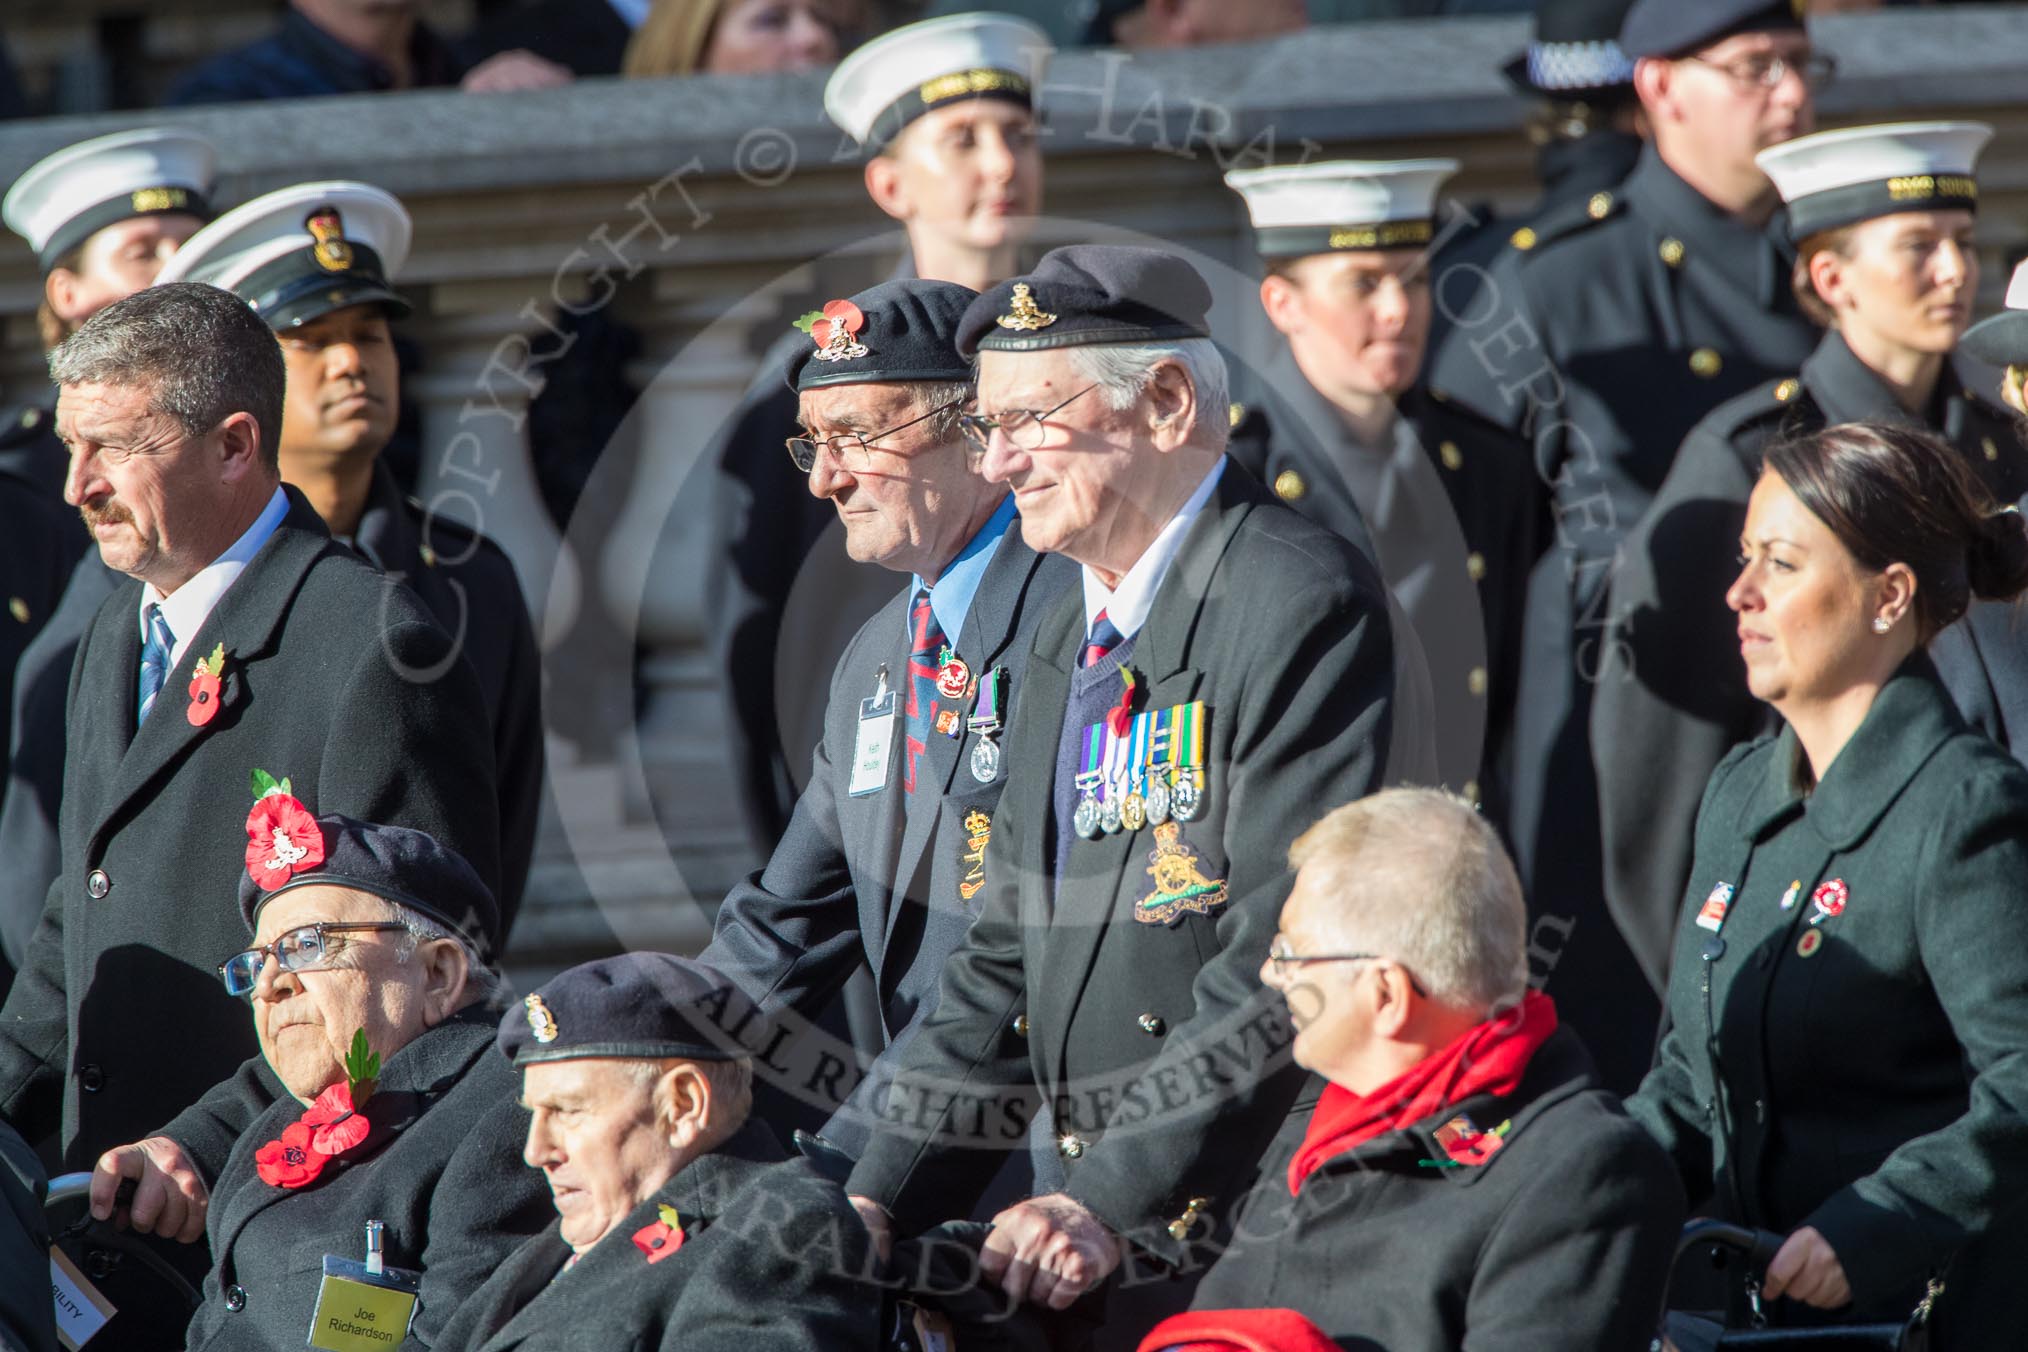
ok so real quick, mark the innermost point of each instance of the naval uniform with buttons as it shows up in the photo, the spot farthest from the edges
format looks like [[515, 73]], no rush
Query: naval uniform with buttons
[[441, 1168], [1856, 1065], [1278, 627], [1634, 315], [1676, 699]]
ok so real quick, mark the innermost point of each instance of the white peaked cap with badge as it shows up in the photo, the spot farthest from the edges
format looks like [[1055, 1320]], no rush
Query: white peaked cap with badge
[[894, 79], [1836, 178], [301, 251], [1342, 204], [65, 199], [2002, 339]]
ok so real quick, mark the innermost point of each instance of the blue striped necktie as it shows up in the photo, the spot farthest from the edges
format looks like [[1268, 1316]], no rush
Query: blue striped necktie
[[154, 660]]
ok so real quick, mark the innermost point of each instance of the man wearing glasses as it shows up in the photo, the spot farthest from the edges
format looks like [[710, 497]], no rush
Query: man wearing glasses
[[1223, 664], [1602, 336], [1465, 1181], [886, 853]]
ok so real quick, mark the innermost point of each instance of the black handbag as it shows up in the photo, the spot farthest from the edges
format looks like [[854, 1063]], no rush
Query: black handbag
[[1759, 1247]]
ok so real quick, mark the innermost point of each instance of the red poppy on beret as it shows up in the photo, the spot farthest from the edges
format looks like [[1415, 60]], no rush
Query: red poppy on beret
[[838, 312], [282, 840]]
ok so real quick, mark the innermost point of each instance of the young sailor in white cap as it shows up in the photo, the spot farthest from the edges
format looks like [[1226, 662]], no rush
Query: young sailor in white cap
[[317, 262], [2002, 340], [1453, 507], [1883, 219], [945, 112]]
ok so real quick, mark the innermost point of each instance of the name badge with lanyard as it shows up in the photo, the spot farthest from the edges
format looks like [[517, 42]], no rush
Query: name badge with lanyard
[[364, 1305], [878, 718]]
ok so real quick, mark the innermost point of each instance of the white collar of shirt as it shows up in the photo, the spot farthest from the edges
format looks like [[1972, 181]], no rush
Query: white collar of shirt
[[632, 12], [1128, 604], [184, 610]]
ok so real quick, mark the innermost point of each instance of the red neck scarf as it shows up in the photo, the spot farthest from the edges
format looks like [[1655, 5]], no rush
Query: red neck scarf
[[1488, 1058]]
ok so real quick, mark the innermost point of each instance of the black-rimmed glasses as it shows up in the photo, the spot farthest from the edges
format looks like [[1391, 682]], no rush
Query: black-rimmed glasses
[[1024, 427], [303, 949], [1765, 70], [854, 450], [1282, 959]]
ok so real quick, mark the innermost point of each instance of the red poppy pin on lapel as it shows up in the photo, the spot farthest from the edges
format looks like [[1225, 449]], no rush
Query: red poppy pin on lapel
[[332, 1125], [206, 681], [282, 838], [658, 1240]]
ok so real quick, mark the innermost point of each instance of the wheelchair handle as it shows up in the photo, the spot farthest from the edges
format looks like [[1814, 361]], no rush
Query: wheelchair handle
[[65, 1187], [1759, 1246]]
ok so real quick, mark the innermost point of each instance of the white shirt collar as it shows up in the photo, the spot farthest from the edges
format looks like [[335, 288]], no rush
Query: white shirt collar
[[185, 609], [1127, 605]]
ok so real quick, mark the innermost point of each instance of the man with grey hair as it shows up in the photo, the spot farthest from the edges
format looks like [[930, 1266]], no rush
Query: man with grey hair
[[1224, 664], [1464, 1181], [243, 639]]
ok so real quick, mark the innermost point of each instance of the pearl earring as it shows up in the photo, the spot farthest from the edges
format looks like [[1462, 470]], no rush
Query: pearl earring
[[1881, 624]]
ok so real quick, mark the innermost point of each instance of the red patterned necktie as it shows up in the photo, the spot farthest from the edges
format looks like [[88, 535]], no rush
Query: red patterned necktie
[[926, 644], [1104, 638]]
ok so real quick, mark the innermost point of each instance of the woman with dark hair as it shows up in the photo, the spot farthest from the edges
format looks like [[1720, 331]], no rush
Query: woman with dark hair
[[1883, 217], [1848, 1055]]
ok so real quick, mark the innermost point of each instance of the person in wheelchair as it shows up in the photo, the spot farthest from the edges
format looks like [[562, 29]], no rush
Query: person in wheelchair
[[1465, 1180], [375, 1014], [25, 1324], [680, 1223], [1849, 990]]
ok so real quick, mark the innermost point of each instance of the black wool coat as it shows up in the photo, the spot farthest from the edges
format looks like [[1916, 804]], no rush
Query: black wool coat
[[1861, 1072], [1153, 1045], [25, 1309], [1562, 1238], [441, 1168], [1676, 699], [773, 1259], [334, 677], [890, 879]]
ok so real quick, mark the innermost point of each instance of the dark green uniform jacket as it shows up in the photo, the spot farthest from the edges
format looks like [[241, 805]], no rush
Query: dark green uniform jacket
[[1863, 1072], [441, 1168], [773, 1259], [1675, 700], [1562, 1238], [1617, 325]]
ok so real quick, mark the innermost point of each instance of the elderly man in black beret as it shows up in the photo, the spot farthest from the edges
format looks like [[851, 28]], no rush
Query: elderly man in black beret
[[680, 1223], [1223, 664], [374, 1011], [883, 861]]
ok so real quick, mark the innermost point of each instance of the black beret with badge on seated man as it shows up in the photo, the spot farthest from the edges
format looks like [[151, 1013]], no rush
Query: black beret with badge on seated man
[[681, 1224], [376, 1013], [1224, 664], [318, 261], [884, 858]]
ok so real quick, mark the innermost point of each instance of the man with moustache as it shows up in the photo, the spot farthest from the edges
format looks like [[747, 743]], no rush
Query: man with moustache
[[317, 261], [103, 217], [1606, 332], [885, 858], [1224, 662], [244, 639]]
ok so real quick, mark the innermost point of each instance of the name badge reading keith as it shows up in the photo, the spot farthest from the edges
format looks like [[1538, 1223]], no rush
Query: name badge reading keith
[[878, 718]]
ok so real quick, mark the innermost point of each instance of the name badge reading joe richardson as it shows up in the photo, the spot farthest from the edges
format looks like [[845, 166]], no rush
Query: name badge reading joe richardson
[[365, 1305]]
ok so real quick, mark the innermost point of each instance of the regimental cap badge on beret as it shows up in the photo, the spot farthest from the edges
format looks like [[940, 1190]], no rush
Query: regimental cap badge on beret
[[835, 329], [327, 228], [1023, 314], [540, 1021]]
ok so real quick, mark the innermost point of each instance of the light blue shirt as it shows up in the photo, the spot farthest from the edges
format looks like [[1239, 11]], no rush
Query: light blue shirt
[[951, 597], [185, 609]]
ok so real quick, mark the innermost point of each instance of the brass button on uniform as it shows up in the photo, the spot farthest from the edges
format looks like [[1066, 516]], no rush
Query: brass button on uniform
[[31, 417], [1706, 362], [1289, 486], [97, 884], [1599, 205], [1453, 458], [1070, 1145], [1522, 239], [1985, 444], [1152, 1024], [1020, 1025], [1786, 390], [429, 556], [1472, 791], [1235, 414], [1475, 564], [1476, 681], [18, 608], [1672, 251]]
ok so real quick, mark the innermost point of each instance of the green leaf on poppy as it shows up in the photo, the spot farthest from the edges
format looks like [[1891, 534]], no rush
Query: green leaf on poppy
[[215, 664], [669, 1216], [809, 321], [285, 787], [264, 784], [362, 1063]]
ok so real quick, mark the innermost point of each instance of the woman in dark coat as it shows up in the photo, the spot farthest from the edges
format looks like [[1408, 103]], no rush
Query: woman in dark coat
[[1849, 992], [1892, 275]]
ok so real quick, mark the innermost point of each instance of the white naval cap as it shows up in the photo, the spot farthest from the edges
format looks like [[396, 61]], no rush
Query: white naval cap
[[301, 252], [896, 78], [2002, 340], [80, 190], [1342, 204], [1837, 178]]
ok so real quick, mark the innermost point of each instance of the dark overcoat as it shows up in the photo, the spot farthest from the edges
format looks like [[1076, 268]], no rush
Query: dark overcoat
[[1861, 1071], [440, 1168], [1153, 1045], [890, 879], [334, 677], [1675, 700], [773, 1259], [1562, 1238], [25, 1307], [1608, 330]]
